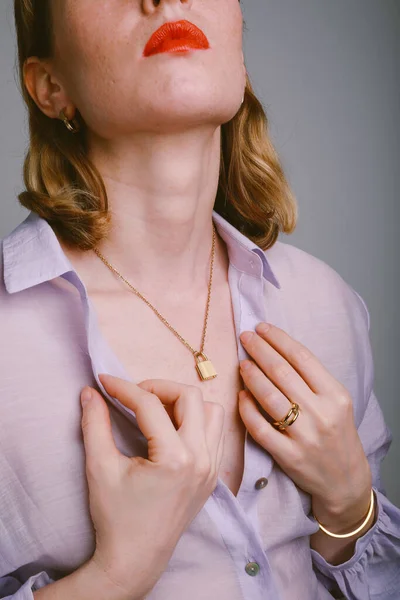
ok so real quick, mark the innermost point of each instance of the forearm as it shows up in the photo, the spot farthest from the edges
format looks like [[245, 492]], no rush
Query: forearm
[[86, 583], [339, 550]]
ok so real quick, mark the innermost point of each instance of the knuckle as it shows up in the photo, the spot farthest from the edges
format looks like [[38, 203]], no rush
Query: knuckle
[[202, 468], [297, 456], [324, 423], [343, 400], [251, 343], [273, 397], [261, 430], [151, 397], [280, 370], [329, 426], [181, 462], [302, 354], [150, 400], [312, 444]]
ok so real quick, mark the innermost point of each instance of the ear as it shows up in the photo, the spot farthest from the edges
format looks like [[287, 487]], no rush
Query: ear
[[44, 88]]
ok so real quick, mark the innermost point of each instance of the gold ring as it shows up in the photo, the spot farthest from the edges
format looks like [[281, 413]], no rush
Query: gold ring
[[289, 419]]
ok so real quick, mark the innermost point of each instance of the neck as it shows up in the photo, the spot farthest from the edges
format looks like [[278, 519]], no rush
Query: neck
[[161, 192]]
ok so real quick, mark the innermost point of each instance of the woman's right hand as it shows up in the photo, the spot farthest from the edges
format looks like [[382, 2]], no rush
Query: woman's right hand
[[141, 506]]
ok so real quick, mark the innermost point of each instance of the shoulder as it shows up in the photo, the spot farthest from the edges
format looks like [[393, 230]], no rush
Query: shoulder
[[319, 308], [14, 307], [21, 321], [312, 282], [39, 324]]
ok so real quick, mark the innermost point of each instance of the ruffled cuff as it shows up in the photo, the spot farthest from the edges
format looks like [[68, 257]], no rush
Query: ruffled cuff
[[373, 572], [15, 591]]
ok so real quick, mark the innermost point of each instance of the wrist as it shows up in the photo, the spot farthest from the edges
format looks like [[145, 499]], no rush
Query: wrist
[[360, 516], [85, 583], [348, 502], [102, 584]]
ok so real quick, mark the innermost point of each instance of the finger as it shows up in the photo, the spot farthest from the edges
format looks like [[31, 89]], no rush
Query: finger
[[186, 400], [266, 393], [151, 415], [312, 371], [96, 428], [200, 423], [147, 385], [275, 442], [278, 370]]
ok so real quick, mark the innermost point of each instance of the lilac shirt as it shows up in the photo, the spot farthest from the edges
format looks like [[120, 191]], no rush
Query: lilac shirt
[[52, 347]]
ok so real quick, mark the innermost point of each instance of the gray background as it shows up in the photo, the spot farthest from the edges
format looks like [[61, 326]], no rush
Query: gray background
[[328, 74]]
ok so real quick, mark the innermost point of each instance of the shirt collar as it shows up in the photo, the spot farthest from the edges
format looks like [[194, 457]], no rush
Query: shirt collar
[[32, 254]]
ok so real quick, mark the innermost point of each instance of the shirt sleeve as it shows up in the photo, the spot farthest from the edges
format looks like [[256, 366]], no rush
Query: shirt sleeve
[[12, 589], [373, 572]]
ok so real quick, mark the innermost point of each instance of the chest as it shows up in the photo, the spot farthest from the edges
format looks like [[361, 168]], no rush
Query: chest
[[148, 349]]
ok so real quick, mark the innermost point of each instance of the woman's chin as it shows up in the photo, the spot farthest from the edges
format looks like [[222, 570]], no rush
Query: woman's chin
[[192, 114]]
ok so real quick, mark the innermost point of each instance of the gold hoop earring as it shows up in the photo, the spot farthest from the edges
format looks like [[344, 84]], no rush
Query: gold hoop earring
[[71, 124]]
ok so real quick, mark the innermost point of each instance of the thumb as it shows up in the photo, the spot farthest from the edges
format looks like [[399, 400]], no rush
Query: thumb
[[96, 427]]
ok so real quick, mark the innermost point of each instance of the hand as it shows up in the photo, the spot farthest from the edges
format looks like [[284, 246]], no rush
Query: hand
[[140, 507], [321, 451]]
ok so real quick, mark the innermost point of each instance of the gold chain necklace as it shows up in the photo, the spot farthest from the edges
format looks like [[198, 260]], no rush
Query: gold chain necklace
[[203, 365]]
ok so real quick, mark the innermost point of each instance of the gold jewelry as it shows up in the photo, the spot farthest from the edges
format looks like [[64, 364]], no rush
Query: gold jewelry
[[346, 535], [71, 125], [203, 365], [289, 419]]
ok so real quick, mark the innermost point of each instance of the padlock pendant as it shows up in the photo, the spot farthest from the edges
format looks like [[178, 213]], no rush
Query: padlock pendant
[[204, 366]]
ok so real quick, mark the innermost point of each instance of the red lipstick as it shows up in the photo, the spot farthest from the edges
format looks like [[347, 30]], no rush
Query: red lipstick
[[178, 36]]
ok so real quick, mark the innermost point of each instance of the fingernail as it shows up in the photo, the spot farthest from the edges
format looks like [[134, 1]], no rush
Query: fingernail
[[245, 365], [104, 376], [246, 336], [262, 327], [86, 396]]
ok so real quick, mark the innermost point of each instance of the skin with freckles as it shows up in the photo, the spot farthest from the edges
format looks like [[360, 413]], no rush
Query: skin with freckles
[[153, 128], [153, 132], [120, 92]]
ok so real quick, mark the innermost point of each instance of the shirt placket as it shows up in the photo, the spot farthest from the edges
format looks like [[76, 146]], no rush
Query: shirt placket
[[237, 517]]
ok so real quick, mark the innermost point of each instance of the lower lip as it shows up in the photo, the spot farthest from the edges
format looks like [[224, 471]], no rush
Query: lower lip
[[181, 45]]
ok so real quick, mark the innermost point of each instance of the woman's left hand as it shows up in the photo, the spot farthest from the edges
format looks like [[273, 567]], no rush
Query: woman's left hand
[[321, 451]]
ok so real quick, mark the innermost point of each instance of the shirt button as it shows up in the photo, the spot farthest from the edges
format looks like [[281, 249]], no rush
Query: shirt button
[[252, 568], [261, 483]]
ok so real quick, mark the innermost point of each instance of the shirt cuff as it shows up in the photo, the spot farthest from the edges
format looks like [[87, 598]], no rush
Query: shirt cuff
[[374, 564], [25, 591]]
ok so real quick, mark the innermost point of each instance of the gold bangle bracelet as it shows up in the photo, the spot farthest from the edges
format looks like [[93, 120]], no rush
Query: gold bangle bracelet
[[346, 535]]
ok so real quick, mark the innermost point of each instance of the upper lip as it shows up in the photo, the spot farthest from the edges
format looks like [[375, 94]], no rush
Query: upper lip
[[182, 29]]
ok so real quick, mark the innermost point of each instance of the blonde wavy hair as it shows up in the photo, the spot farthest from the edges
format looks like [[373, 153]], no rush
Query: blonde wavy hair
[[65, 188]]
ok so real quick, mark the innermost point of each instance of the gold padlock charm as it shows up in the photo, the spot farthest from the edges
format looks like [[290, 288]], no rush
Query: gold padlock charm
[[204, 366]]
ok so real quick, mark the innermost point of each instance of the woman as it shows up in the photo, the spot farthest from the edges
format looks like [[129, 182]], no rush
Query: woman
[[150, 171]]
